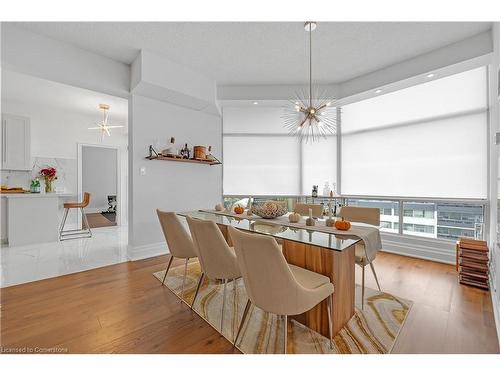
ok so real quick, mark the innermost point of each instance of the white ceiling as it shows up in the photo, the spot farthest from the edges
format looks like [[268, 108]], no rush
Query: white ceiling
[[28, 89], [264, 53]]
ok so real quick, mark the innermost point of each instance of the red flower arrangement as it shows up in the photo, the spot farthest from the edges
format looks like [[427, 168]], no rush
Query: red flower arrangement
[[49, 175]]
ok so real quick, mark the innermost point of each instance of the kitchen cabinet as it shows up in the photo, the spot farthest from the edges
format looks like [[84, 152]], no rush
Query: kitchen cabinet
[[3, 220], [16, 141], [31, 218]]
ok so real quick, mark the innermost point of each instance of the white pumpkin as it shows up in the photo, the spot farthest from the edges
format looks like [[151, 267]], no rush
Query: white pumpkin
[[294, 217]]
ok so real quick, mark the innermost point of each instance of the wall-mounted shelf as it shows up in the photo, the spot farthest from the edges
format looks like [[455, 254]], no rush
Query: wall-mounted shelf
[[198, 161]]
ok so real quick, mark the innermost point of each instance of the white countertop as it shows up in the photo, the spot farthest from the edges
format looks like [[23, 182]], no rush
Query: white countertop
[[37, 195]]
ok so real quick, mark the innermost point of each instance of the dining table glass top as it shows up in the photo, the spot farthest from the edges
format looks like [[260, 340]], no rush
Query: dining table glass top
[[310, 236]]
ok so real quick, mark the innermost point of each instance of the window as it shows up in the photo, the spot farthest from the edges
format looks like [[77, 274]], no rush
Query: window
[[437, 131], [418, 228], [261, 158], [385, 211], [441, 220], [435, 137], [386, 224], [258, 165], [319, 165], [389, 224]]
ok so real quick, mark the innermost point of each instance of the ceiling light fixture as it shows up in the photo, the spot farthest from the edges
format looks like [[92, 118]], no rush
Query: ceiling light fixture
[[311, 117], [378, 91], [103, 125], [430, 75], [255, 103]]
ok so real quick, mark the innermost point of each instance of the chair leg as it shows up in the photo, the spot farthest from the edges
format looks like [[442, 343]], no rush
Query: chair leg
[[285, 333], [166, 271], [86, 222], [184, 278], [235, 301], [73, 234], [63, 222], [363, 288], [197, 289], [245, 312], [375, 275], [329, 309], [223, 305]]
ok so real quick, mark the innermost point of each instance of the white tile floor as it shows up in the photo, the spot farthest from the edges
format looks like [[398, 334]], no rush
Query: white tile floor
[[22, 264]]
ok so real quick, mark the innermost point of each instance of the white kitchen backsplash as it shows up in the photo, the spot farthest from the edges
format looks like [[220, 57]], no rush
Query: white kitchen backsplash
[[67, 172]]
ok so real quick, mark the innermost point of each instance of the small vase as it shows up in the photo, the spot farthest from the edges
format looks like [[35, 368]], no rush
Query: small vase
[[48, 186], [310, 222], [330, 222]]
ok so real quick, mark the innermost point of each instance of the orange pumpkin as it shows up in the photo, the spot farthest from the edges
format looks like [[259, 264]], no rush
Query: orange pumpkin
[[343, 224], [239, 210]]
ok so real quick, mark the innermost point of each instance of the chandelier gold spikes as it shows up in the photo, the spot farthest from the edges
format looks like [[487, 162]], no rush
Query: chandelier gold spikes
[[311, 116]]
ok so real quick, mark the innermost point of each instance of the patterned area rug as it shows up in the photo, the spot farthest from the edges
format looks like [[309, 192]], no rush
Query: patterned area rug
[[373, 330]]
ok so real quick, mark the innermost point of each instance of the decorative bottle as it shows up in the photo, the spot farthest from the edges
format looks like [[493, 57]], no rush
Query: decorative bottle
[[330, 222], [210, 156], [315, 191], [326, 189]]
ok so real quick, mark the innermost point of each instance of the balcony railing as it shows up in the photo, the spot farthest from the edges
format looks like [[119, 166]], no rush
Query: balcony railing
[[438, 218]]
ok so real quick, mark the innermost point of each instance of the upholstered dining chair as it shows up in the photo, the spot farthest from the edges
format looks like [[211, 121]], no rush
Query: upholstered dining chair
[[303, 209], [366, 215], [217, 259], [178, 240], [275, 286]]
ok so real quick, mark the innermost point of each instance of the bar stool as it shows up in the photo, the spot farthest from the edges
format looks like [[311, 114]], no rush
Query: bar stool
[[75, 233]]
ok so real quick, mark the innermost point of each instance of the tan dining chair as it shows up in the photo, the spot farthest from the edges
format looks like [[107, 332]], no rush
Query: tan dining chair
[[67, 234], [275, 286], [178, 240], [217, 258], [303, 209], [366, 215]]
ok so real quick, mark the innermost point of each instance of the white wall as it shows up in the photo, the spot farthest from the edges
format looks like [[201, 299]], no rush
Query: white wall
[[157, 77], [55, 134], [55, 131], [167, 185], [99, 175], [494, 170]]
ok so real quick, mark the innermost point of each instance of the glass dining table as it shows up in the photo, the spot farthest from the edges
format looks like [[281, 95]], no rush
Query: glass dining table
[[325, 253], [312, 236]]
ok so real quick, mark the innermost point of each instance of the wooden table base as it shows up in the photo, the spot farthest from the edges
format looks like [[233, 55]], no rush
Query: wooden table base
[[338, 266]]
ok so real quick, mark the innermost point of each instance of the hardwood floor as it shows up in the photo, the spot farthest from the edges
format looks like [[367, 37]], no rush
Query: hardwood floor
[[123, 309]]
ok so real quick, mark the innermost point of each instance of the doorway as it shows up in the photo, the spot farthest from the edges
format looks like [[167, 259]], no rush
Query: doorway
[[99, 173]]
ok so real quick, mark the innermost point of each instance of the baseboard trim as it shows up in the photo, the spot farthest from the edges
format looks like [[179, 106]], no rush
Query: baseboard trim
[[95, 210], [147, 251], [422, 248]]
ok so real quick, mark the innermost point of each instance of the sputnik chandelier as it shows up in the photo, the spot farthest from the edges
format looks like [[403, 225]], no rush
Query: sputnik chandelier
[[311, 117]]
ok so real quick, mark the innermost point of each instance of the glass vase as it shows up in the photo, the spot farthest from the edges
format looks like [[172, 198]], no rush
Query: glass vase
[[49, 188]]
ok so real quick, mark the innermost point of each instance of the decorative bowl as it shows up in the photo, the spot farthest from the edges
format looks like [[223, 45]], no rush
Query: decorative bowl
[[270, 209]]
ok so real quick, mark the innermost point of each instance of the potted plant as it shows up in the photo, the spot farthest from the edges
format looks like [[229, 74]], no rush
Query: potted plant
[[48, 175]]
